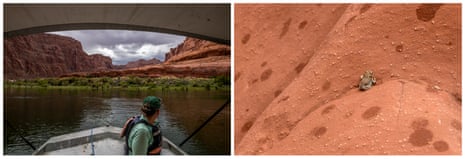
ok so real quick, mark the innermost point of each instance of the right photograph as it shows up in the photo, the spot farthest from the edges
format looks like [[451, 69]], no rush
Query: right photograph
[[348, 79]]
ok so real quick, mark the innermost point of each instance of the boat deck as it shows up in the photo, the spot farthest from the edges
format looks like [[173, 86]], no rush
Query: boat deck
[[106, 141], [101, 147]]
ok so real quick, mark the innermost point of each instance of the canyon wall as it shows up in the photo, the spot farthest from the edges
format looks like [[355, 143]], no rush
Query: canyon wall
[[48, 55]]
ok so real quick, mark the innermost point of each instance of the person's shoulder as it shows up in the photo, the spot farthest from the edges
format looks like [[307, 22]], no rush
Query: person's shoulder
[[141, 128]]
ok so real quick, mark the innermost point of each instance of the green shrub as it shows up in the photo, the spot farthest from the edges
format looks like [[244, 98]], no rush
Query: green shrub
[[222, 80], [207, 86], [64, 82], [42, 82]]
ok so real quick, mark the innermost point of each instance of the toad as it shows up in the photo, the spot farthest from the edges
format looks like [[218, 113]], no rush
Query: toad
[[367, 80]]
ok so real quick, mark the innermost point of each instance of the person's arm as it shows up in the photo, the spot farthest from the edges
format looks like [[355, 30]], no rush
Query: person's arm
[[140, 142]]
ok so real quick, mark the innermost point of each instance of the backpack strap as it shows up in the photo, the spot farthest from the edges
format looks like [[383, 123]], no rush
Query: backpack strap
[[130, 123], [155, 147], [125, 127]]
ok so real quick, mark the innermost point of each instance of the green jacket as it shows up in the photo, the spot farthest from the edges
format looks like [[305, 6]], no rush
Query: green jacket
[[140, 138]]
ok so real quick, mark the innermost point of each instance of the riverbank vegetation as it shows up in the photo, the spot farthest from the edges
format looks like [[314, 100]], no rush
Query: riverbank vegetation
[[130, 82]]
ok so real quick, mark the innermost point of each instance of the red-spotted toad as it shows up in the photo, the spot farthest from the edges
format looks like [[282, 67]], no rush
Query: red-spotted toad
[[367, 80]]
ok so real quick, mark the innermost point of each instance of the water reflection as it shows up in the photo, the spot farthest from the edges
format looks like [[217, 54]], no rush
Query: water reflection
[[43, 113]]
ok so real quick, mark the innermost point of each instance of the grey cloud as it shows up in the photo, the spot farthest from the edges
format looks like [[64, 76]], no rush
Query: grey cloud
[[124, 60], [160, 57], [124, 43]]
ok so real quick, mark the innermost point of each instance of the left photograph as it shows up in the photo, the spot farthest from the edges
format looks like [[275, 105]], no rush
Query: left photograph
[[117, 79]]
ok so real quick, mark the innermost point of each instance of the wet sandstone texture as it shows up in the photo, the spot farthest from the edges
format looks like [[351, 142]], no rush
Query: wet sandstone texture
[[297, 68]]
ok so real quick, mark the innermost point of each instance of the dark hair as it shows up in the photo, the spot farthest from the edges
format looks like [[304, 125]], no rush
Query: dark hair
[[149, 111]]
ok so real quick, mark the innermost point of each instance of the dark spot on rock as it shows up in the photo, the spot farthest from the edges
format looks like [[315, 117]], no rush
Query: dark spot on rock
[[421, 137], [319, 131], [247, 110], [441, 146], [208, 19], [371, 112], [449, 43], [266, 74], [245, 39], [246, 126], [426, 12], [283, 135], [283, 99], [254, 81], [350, 20], [264, 64], [277, 93], [237, 76], [328, 109], [457, 125], [263, 140], [400, 48], [326, 86], [365, 8], [302, 24], [291, 124], [458, 97], [285, 28], [312, 109], [300, 67], [419, 124], [386, 36], [257, 151]]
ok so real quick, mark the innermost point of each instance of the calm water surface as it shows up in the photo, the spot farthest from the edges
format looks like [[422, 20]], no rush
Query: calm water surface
[[41, 113]]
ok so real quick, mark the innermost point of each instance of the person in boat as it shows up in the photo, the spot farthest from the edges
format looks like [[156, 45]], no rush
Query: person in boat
[[143, 134]]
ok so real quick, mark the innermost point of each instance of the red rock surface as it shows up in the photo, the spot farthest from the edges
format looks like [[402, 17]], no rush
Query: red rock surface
[[142, 62], [206, 67], [297, 68], [189, 44], [210, 51], [48, 55], [193, 58]]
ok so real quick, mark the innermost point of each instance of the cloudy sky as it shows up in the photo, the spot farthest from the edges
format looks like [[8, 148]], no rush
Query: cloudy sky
[[124, 46]]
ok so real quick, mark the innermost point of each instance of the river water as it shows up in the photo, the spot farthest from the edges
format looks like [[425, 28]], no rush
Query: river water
[[41, 113]]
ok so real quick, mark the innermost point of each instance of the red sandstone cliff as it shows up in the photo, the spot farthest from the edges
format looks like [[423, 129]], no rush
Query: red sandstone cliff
[[190, 45], [192, 58], [142, 62], [48, 55]]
